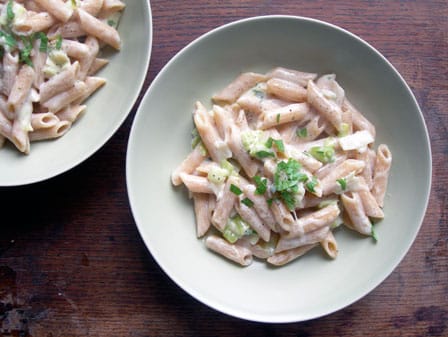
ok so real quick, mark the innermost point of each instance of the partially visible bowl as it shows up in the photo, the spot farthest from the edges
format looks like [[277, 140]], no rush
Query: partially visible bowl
[[312, 286], [106, 109]]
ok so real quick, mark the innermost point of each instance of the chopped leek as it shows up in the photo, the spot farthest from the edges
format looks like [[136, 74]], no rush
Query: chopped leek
[[344, 130], [262, 185], [324, 154], [236, 228], [217, 175]]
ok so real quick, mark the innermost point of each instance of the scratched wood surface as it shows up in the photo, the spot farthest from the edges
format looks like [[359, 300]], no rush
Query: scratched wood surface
[[72, 262]]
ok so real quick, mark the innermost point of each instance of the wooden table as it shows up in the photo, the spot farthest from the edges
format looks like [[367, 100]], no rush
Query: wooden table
[[73, 264]]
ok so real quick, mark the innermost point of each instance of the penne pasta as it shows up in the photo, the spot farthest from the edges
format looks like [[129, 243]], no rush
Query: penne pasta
[[283, 159]]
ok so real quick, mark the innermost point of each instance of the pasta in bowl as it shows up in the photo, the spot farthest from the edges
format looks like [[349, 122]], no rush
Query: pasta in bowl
[[314, 284], [279, 162], [59, 62]]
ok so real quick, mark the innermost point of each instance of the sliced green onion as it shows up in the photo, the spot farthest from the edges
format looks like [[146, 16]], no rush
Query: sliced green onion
[[373, 234], [235, 189], [278, 118], [262, 185], [247, 202], [342, 183], [264, 154]]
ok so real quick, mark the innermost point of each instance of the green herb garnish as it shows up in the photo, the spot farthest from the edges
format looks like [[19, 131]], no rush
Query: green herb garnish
[[311, 184], [342, 183], [324, 154], [287, 177], [373, 234], [264, 154], [247, 202], [302, 132], [10, 13], [262, 185], [235, 189], [58, 45]]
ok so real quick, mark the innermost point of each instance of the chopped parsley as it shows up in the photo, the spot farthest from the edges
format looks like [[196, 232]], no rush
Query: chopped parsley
[[287, 177], [278, 144], [262, 185], [264, 154], [311, 184], [302, 132]]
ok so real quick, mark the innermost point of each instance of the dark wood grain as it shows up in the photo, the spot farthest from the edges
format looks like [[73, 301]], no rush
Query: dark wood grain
[[72, 262]]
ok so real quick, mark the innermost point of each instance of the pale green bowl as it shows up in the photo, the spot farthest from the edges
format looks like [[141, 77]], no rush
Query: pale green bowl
[[106, 109], [314, 285]]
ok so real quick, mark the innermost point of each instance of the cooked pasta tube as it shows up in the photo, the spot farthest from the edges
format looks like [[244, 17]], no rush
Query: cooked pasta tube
[[360, 122], [286, 90], [202, 212], [21, 88], [330, 245], [237, 87], [58, 83], [290, 113], [313, 221], [225, 203], [353, 206], [57, 8], [292, 75], [236, 253], [189, 164], [285, 243], [55, 131], [196, 184], [260, 204], [330, 110], [63, 99], [249, 215], [43, 120], [381, 173], [282, 215], [10, 69], [329, 182], [99, 29], [286, 256], [216, 147], [71, 112]]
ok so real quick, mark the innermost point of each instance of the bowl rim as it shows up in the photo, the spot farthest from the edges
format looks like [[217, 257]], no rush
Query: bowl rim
[[235, 312], [133, 104]]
